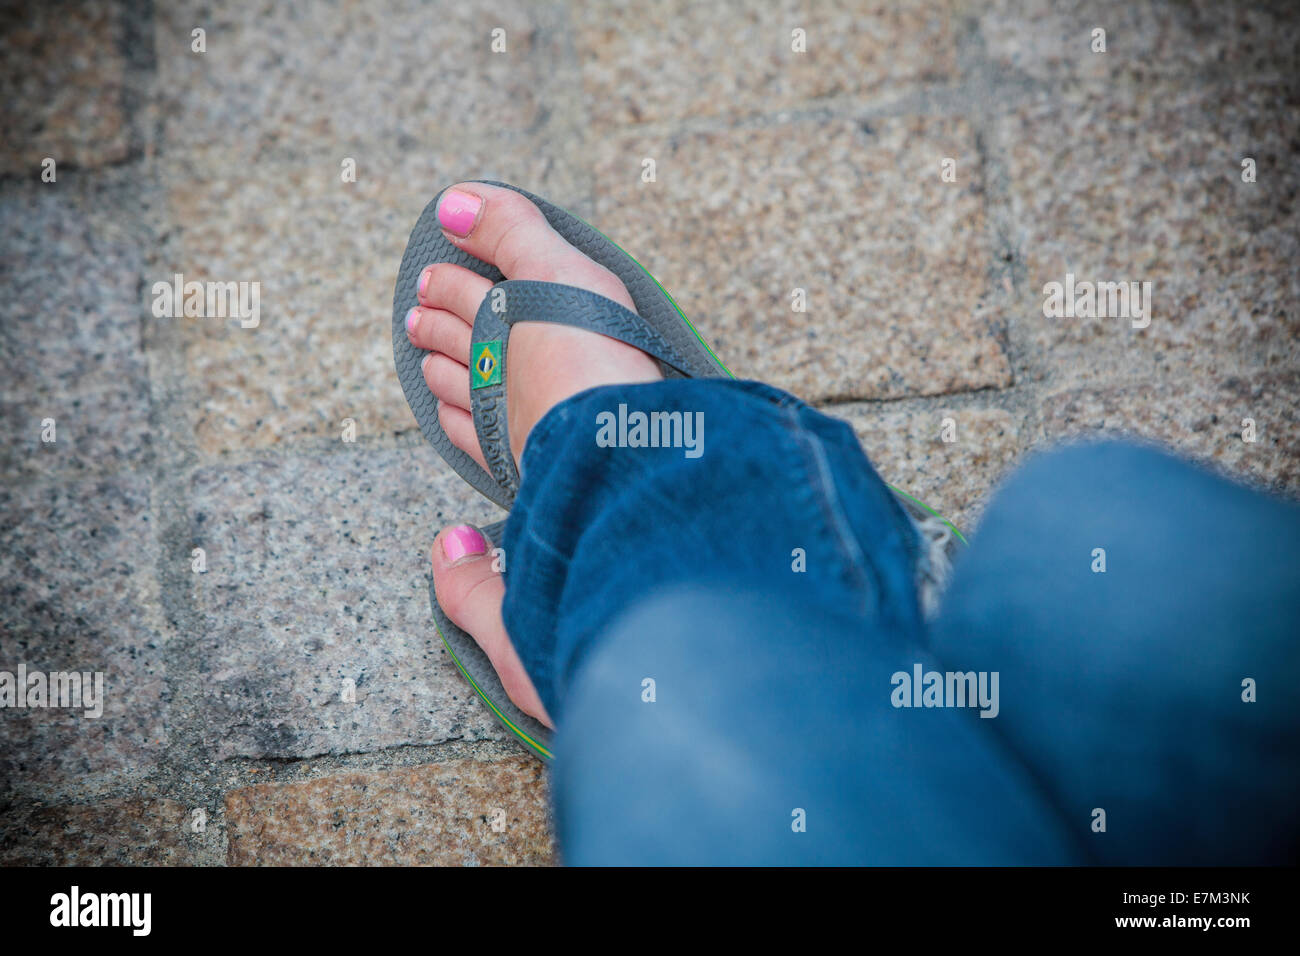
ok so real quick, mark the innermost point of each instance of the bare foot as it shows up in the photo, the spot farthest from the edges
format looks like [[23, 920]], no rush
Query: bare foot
[[548, 363]]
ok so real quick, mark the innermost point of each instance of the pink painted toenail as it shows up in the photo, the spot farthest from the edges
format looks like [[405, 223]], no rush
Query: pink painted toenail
[[410, 320], [458, 211], [462, 540], [424, 282]]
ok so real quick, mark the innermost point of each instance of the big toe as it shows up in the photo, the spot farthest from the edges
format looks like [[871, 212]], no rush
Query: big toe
[[470, 589], [504, 228]]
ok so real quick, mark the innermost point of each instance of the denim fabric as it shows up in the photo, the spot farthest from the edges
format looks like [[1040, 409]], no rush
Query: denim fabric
[[1123, 689], [772, 740], [595, 529], [773, 734]]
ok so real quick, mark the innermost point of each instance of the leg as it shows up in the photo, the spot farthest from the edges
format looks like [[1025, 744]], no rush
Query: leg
[[775, 498], [772, 675], [771, 740], [1123, 688]]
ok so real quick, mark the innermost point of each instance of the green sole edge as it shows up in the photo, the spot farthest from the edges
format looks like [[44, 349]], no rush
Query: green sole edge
[[536, 747]]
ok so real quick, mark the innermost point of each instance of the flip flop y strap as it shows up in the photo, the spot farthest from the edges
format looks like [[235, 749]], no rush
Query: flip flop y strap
[[520, 300]]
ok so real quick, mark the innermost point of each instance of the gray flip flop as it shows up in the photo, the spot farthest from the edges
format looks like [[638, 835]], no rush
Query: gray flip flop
[[657, 327], [657, 319]]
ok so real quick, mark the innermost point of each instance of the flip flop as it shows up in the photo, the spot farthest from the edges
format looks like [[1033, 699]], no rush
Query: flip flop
[[657, 327]]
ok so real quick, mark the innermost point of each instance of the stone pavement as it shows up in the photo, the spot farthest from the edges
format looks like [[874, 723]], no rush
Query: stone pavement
[[292, 702]]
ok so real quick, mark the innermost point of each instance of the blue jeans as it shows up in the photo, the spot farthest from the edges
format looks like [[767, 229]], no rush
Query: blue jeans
[[733, 649]]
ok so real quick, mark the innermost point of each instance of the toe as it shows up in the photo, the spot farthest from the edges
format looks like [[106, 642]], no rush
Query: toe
[[447, 379], [452, 288], [437, 330], [504, 228], [459, 426], [470, 591]]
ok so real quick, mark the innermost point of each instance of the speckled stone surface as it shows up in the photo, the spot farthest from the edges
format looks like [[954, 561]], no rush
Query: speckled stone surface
[[325, 254], [138, 832], [77, 593], [649, 62], [441, 814], [1053, 39], [892, 260], [61, 87], [955, 478], [317, 575], [298, 76], [70, 341], [1143, 183], [1200, 420]]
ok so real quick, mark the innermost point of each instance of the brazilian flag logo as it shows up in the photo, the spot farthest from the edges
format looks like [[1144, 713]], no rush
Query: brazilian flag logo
[[487, 363]]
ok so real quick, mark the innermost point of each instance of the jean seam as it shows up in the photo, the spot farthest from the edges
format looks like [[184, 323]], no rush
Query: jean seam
[[848, 546], [910, 537]]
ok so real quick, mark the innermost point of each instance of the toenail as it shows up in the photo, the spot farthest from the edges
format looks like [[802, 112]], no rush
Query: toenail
[[461, 541], [424, 363], [424, 282], [410, 319], [458, 212]]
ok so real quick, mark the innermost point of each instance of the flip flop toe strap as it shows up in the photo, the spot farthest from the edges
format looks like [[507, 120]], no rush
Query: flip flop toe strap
[[519, 300]]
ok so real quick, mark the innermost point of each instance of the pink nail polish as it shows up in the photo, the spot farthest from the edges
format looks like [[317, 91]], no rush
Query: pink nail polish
[[410, 320], [462, 541], [458, 212], [424, 283]]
